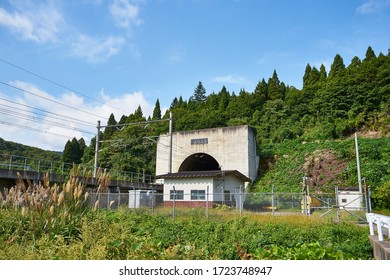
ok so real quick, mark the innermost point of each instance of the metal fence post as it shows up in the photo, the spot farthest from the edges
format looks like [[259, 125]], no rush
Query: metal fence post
[[153, 200], [119, 198], [173, 204], [337, 204], [240, 200], [273, 200], [207, 203]]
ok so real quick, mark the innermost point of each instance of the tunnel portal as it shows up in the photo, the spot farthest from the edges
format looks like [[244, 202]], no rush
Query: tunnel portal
[[199, 162]]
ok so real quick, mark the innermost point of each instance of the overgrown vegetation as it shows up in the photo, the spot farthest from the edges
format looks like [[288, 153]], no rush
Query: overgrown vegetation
[[55, 222], [327, 164]]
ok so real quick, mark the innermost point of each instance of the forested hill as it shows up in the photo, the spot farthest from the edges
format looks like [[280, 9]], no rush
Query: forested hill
[[8, 148], [330, 105]]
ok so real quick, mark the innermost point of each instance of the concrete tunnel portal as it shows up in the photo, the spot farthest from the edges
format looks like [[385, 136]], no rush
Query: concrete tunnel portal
[[199, 162]]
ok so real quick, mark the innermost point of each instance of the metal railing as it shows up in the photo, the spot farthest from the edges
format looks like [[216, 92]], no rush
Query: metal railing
[[381, 222], [12, 162]]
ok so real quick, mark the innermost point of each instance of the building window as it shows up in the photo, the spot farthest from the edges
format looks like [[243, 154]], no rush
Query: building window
[[179, 194], [227, 195], [198, 194], [344, 200]]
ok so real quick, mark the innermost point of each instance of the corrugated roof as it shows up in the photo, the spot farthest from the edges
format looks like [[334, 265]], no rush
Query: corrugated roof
[[203, 174]]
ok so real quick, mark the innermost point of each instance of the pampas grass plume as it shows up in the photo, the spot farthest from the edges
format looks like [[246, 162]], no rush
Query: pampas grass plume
[[61, 198], [51, 211]]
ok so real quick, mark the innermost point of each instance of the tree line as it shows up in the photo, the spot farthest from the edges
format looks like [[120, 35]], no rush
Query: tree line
[[330, 105]]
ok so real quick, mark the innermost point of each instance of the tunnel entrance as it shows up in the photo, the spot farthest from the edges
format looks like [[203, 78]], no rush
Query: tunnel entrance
[[199, 162]]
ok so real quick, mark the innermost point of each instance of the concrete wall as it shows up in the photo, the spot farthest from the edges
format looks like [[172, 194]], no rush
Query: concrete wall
[[381, 249], [234, 148], [216, 187], [186, 185]]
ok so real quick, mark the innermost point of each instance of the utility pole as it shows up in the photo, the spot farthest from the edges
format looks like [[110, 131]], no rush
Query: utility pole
[[127, 124], [170, 142], [358, 170], [95, 166]]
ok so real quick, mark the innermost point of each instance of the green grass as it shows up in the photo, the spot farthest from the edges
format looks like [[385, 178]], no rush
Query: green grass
[[125, 234], [55, 222]]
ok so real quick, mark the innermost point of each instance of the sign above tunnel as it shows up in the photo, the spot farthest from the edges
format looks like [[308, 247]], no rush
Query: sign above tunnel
[[200, 141]]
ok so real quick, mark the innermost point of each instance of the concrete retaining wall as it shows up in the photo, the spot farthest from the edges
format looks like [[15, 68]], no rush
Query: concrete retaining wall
[[381, 248]]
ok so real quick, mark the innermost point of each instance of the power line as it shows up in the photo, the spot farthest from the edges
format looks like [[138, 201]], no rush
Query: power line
[[48, 99], [34, 129], [58, 84], [57, 116], [18, 115]]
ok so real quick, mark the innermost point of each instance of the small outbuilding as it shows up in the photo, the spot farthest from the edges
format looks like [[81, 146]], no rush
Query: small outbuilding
[[349, 198], [197, 188]]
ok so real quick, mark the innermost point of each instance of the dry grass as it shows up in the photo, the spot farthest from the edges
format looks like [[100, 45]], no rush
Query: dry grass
[[51, 208]]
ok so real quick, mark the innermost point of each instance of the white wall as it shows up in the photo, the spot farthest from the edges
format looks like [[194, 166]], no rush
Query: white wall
[[352, 200], [234, 148], [231, 183], [187, 185]]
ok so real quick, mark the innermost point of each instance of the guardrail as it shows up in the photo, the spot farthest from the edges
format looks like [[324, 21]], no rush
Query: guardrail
[[13, 162], [381, 221]]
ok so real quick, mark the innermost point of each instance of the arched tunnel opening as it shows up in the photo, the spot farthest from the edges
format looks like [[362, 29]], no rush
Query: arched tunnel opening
[[199, 162]]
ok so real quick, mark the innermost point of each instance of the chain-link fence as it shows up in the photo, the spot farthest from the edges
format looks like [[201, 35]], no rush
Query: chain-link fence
[[335, 205]]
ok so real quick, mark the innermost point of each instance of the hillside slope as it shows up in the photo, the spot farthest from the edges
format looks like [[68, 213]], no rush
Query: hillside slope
[[328, 164], [16, 149]]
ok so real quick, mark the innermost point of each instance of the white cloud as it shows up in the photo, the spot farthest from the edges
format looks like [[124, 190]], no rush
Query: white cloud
[[230, 79], [96, 50], [38, 128], [39, 23], [372, 6], [125, 13], [128, 102]]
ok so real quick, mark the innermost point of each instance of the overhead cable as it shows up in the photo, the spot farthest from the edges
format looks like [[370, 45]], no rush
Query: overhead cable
[[41, 120], [48, 113], [58, 84], [51, 100], [34, 129]]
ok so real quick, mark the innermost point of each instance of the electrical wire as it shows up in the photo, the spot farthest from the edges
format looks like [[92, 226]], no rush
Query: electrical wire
[[34, 129], [50, 113], [51, 100], [18, 115], [36, 115], [58, 84]]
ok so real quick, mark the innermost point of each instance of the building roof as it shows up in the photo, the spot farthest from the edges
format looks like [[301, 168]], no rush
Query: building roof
[[204, 174], [352, 189]]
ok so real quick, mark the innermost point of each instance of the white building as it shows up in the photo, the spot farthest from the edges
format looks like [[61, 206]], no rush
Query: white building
[[208, 165], [349, 198], [224, 148], [197, 188]]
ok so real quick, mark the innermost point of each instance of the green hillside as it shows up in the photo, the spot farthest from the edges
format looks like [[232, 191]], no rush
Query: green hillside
[[8, 148], [327, 164]]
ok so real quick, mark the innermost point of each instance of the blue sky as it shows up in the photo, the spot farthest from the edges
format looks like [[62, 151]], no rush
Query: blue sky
[[87, 59]]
